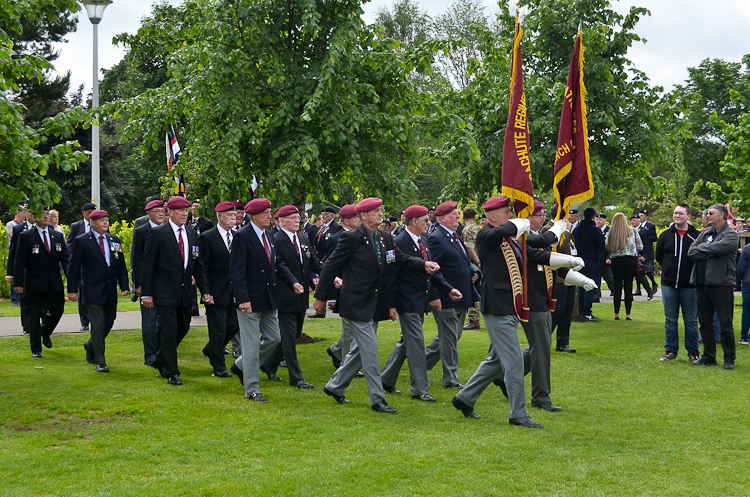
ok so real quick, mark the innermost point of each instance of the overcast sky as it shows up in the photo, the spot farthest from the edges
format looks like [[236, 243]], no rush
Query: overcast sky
[[680, 34]]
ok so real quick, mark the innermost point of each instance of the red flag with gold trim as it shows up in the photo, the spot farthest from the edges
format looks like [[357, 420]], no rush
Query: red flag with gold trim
[[516, 173], [572, 183]]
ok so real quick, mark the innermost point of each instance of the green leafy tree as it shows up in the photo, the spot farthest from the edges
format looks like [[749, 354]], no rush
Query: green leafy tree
[[736, 164]]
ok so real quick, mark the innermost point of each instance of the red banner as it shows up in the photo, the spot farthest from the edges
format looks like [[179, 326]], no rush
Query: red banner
[[516, 172], [573, 182]]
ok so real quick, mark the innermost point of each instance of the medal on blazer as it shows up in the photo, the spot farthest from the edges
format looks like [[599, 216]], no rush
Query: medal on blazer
[[116, 248], [35, 249], [58, 247], [390, 256], [195, 250]]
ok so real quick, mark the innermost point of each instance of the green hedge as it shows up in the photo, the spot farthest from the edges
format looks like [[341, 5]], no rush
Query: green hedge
[[4, 286]]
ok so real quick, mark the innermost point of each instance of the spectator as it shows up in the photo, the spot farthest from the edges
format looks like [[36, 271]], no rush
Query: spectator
[[606, 269], [590, 244], [635, 222], [676, 290], [623, 244], [54, 221], [745, 275], [647, 231], [714, 276], [483, 220]]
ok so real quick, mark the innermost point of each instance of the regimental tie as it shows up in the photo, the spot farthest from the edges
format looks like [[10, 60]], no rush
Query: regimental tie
[[229, 242], [376, 244], [296, 247], [101, 246], [422, 249], [458, 241], [182, 244], [268, 249], [46, 242]]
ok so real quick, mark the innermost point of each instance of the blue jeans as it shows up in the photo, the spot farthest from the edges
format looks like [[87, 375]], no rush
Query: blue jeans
[[586, 299], [674, 299], [745, 313], [150, 328]]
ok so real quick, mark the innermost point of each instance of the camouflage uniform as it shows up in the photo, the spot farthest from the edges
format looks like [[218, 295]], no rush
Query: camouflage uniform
[[470, 238]]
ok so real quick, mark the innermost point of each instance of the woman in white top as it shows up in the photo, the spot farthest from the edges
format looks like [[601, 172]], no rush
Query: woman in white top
[[54, 220], [623, 245]]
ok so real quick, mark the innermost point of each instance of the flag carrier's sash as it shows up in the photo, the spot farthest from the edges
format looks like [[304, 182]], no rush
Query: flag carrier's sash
[[516, 281]]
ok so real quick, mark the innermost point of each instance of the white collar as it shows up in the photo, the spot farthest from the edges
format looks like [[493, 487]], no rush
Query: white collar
[[414, 237], [174, 226], [153, 224]]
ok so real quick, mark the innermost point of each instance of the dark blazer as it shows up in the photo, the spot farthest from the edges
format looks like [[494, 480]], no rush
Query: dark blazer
[[603, 256], [36, 270], [253, 279], [537, 278], [648, 237], [365, 293], [497, 292], [410, 290], [89, 268], [310, 229], [163, 276], [215, 257], [201, 225], [455, 268], [136, 251], [320, 241], [77, 229], [140, 221], [590, 242], [17, 230], [333, 240], [288, 300]]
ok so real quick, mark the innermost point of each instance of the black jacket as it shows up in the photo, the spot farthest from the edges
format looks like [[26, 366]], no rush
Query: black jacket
[[288, 300], [136, 251], [77, 229], [320, 238], [365, 293], [648, 237], [98, 282], [456, 270], [410, 291], [590, 242], [216, 262], [671, 253], [17, 230], [36, 270]]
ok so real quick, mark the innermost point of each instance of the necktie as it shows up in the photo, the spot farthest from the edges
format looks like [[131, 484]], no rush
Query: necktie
[[296, 247], [101, 246], [182, 244], [376, 244], [455, 235], [46, 242], [268, 249], [421, 249], [229, 242]]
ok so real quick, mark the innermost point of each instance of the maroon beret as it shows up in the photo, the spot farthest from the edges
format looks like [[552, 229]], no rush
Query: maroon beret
[[445, 208], [496, 203], [239, 205], [287, 210], [224, 206], [348, 211], [415, 211], [154, 204], [98, 214], [257, 205], [368, 204], [178, 203], [538, 206]]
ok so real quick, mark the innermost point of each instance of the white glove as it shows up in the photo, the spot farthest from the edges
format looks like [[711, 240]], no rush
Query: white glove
[[577, 279], [559, 228], [556, 261], [522, 226]]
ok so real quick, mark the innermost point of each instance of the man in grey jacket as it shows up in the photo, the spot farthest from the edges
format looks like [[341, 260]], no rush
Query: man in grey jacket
[[714, 275]]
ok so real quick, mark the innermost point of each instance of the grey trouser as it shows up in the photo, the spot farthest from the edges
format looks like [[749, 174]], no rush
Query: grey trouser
[[444, 346], [344, 343], [410, 346], [254, 349], [536, 356], [505, 355], [364, 355]]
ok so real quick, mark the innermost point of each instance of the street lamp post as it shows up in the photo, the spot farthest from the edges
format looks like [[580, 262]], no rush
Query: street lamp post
[[95, 10]]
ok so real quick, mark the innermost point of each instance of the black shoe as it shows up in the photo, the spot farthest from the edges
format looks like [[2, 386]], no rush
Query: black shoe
[[729, 364], [501, 383], [336, 362], [258, 397], [84, 328], [102, 368], [466, 410], [222, 373], [471, 325], [36, 354], [637, 293], [204, 352], [47, 341], [25, 331], [174, 380], [705, 362], [391, 390], [565, 348], [424, 398], [458, 386], [650, 295], [271, 376], [384, 408], [527, 422], [226, 352], [338, 398], [303, 384], [316, 316], [238, 373], [89, 352], [196, 313], [282, 364], [547, 406], [359, 374], [164, 373], [236, 355]]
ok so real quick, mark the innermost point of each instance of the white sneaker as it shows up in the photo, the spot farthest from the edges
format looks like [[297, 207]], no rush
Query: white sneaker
[[743, 342]]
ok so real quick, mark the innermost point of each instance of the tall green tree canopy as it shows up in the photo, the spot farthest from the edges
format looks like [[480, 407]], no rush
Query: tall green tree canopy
[[301, 92]]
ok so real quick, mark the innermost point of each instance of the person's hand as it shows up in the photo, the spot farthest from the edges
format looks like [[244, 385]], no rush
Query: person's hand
[[608, 261], [298, 289], [319, 306], [474, 277], [315, 281], [192, 280], [147, 302], [436, 305], [431, 267], [18, 289], [125, 293], [246, 307], [138, 291], [454, 294], [393, 314], [643, 259], [208, 299], [522, 227], [337, 282], [331, 304], [73, 297]]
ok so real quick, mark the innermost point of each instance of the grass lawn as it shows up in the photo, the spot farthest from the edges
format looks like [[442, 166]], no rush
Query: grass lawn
[[631, 426], [124, 304]]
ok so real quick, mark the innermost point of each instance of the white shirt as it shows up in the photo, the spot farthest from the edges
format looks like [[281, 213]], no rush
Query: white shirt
[[153, 224], [41, 237], [259, 233], [106, 246], [185, 243], [450, 231], [414, 238], [295, 241], [223, 234], [86, 226]]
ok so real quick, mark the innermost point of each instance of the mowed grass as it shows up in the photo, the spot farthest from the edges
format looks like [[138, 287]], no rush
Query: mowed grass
[[631, 425], [123, 304]]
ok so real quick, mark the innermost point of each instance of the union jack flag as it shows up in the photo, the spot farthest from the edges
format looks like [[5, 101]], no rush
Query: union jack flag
[[173, 156]]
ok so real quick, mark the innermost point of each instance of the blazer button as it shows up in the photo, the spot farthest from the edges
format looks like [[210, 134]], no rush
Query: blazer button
[[262, 270], [376, 290], [183, 284]]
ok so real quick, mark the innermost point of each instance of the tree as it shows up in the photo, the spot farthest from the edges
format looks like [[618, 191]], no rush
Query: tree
[[22, 165], [737, 161], [299, 92], [463, 25]]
